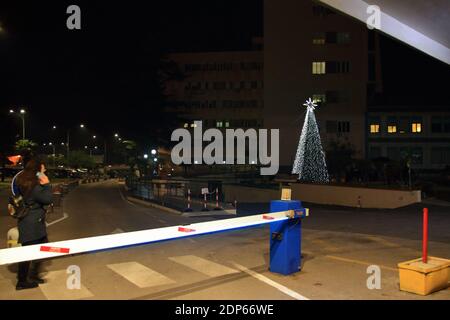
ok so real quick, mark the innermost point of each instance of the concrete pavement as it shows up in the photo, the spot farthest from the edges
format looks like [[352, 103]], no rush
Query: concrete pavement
[[232, 265]]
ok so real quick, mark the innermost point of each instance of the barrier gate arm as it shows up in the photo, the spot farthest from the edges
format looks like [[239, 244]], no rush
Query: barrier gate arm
[[99, 243]]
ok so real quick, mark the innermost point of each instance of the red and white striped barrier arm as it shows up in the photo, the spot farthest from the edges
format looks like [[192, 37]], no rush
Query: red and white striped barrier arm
[[106, 242]]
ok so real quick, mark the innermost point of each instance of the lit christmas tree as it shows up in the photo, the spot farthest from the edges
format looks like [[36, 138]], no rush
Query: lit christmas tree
[[309, 161]]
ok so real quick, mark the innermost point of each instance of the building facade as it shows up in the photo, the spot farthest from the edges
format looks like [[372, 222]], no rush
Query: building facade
[[311, 51], [222, 89], [419, 134]]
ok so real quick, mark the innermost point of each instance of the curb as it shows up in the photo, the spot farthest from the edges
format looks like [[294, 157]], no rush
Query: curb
[[150, 204]]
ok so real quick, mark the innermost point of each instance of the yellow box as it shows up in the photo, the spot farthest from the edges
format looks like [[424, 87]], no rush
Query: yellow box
[[286, 194], [424, 278]]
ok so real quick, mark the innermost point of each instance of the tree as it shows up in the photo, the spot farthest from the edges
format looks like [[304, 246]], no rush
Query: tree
[[310, 162], [79, 159], [24, 146]]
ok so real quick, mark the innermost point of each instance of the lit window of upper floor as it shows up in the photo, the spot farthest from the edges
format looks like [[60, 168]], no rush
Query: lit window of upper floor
[[375, 128], [392, 129], [416, 127], [324, 67], [319, 98], [321, 38], [319, 67]]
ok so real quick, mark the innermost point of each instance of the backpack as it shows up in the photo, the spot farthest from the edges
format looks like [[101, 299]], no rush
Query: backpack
[[16, 204], [17, 207]]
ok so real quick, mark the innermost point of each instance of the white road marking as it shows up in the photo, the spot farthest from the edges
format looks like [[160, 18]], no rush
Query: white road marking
[[271, 283], [65, 216], [140, 275], [56, 287], [364, 263], [204, 266], [124, 198]]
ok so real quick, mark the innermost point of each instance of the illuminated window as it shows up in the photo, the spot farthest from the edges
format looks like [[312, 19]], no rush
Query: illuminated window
[[318, 67], [193, 125], [319, 38], [319, 98], [416, 127], [227, 124], [374, 128], [219, 124], [186, 125], [392, 129]]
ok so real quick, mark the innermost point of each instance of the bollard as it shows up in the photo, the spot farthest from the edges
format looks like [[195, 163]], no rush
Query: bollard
[[205, 203], [188, 209], [427, 274], [285, 239], [425, 236], [12, 238], [217, 208]]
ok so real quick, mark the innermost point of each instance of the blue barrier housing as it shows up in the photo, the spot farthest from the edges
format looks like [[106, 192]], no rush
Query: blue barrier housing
[[285, 238]]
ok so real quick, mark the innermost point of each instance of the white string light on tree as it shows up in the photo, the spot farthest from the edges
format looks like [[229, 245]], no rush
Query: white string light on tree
[[309, 161]]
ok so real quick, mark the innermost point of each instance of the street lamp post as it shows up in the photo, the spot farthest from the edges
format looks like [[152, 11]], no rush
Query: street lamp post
[[68, 139], [22, 115], [54, 153]]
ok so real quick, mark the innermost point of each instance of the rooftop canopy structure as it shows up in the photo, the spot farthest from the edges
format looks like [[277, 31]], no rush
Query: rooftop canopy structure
[[421, 24]]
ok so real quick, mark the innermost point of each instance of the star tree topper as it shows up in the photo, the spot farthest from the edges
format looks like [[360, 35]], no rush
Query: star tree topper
[[310, 105]]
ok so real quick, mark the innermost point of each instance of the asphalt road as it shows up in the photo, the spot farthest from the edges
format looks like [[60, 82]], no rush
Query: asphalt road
[[338, 246]]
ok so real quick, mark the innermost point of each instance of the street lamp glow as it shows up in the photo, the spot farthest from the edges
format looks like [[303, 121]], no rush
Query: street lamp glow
[[145, 156], [50, 144], [81, 125], [95, 147], [54, 127], [22, 115], [94, 137], [153, 151], [155, 159], [85, 147], [62, 143], [116, 135]]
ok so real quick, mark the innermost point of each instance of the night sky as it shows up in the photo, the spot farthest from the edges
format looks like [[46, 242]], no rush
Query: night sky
[[105, 75]]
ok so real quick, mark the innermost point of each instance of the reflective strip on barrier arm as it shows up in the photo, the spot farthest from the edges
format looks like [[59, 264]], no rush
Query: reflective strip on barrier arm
[[99, 243]]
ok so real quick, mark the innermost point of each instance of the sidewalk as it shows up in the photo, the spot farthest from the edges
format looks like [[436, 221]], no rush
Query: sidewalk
[[436, 202]]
